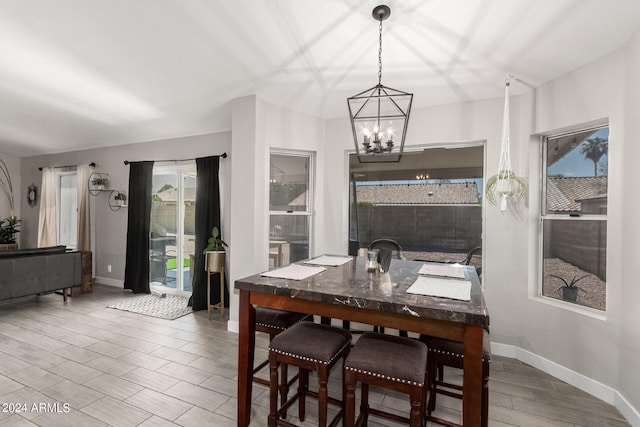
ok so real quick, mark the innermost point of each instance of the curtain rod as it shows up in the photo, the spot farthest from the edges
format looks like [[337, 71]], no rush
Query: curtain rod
[[223, 155], [92, 164]]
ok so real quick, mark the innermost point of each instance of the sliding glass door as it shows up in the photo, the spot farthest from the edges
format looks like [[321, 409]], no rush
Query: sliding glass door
[[172, 236]]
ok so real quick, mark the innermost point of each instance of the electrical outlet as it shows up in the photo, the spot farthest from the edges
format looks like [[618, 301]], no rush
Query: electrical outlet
[[109, 268]]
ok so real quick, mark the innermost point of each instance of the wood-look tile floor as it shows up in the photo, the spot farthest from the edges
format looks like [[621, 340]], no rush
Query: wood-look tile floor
[[82, 364]]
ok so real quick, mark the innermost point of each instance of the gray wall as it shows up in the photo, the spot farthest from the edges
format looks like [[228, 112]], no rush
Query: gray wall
[[111, 227], [626, 301]]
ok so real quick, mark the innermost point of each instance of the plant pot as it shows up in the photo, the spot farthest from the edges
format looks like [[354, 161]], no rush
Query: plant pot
[[503, 185], [8, 247], [214, 260], [570, 294]]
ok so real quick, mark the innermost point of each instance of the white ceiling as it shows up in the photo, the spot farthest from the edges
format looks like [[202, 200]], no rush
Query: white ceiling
[[80, 74]]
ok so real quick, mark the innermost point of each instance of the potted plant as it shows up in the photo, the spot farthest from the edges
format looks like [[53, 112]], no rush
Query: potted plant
[[569, 290], [120, 198], [99, 182], [214, 252], [8, 230], [505, 186]]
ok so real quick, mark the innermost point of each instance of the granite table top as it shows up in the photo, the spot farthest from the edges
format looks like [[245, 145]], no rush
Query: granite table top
[[350, 284]]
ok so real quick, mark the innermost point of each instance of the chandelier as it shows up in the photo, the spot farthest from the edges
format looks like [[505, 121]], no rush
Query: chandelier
[[379, 115]]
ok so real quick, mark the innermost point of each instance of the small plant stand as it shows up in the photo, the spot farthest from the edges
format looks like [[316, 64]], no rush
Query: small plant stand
[[219, 305]]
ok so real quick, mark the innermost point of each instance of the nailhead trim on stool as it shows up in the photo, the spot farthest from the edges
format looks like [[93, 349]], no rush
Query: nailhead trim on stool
[[310, 347], [387, 361]]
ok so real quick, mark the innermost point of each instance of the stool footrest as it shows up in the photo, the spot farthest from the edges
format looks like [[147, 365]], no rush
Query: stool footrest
[[260, 381], [286, 405], [388, 415], [330, 399], [441, 421], [457, 394]]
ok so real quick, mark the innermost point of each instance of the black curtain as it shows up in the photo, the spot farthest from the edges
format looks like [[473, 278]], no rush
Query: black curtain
[[136, 272], [207, 216]]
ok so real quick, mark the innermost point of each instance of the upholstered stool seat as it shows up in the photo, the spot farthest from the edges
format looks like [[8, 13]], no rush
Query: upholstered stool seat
[[273, 321], [387, 361], [310, 347], [442, 353]]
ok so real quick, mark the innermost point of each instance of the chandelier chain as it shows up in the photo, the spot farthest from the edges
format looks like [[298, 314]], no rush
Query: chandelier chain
[[380, 54]]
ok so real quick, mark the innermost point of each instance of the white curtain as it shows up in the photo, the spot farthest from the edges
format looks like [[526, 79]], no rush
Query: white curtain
[[84, 224], [47, 231]]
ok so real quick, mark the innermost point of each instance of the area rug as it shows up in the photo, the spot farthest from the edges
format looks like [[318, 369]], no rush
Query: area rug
[[169, 307]]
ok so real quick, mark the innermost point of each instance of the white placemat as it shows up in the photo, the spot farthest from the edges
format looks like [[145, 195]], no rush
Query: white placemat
[[294, 272], [332, 261], [443, 270], [444, 288]]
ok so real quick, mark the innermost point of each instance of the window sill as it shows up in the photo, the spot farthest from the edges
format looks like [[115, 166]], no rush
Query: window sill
[[591, 312]]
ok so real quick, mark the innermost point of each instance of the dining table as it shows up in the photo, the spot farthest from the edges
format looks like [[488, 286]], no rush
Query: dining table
[[350, 291]]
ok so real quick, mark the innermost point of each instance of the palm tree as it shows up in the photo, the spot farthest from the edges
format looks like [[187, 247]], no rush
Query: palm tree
[[594, 149]]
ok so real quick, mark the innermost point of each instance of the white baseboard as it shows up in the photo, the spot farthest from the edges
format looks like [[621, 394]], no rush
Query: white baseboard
[[233, 326], [586, 384], [109, 282]]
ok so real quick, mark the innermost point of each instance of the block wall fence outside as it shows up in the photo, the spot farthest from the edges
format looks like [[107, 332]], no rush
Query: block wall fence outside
[[447, 228], [574, 245]]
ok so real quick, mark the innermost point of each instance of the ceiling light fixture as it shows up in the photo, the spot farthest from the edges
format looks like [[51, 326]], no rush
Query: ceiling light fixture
[[379, 114]]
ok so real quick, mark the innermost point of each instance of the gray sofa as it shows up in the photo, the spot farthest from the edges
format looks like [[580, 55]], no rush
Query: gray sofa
[[33, 271]]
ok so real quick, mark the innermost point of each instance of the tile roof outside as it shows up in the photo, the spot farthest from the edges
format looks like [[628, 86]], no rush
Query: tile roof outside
[[565, 193], [419, 194], [301, 200]]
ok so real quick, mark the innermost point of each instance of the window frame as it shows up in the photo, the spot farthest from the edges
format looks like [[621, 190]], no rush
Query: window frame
[[309, 211], [544, 217], [479, 143]]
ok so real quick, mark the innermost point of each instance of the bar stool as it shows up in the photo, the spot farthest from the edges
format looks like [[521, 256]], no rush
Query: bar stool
[[443, 352], [387, 361], [272, 321], [310, 347]]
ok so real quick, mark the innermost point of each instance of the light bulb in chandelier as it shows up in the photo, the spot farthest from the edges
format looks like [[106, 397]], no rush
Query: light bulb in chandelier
[[366, 132]]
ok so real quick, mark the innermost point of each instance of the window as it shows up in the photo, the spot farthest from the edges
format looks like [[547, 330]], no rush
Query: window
[[67, 209], [290, 196], [574, 217], [430, 202]]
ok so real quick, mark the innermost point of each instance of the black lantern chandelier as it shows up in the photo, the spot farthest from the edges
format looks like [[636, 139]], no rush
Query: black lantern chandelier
[[379, 114]]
